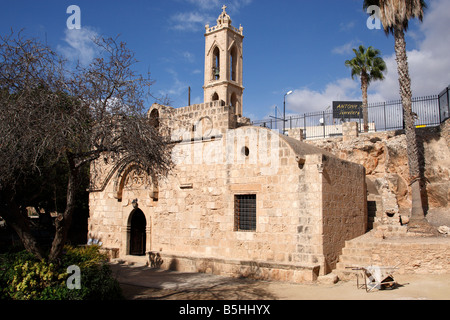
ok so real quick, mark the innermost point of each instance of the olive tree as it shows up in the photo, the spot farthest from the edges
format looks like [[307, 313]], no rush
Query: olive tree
[[55, 116]]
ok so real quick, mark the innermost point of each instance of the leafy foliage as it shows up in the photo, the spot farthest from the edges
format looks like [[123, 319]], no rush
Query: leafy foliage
[[395, 14], [367, 63], [22, 277], [56, 120]]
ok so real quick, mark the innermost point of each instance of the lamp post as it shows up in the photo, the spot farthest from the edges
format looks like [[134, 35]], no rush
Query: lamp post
[[284, 111]]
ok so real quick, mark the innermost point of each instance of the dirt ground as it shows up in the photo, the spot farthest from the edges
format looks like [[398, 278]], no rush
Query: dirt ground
[[143, 283]]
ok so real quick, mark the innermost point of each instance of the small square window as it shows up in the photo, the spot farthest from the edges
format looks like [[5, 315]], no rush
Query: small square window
[[245, 212]]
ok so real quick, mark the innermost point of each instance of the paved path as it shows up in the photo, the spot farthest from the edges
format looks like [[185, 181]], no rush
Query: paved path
[[143, 283]]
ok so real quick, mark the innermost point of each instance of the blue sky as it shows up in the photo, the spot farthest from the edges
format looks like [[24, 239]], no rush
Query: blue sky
[[289, 45]]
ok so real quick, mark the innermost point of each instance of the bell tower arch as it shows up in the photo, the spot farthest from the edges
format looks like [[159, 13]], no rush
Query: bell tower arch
[[224, 63]]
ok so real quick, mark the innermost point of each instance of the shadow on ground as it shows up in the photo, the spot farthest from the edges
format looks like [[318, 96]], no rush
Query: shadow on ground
[[144, 283]]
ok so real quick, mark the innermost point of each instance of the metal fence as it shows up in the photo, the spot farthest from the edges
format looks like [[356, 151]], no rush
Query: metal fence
[[384, 116]]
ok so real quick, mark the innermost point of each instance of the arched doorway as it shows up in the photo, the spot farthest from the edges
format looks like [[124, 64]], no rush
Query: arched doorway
[[154, 118], [138, 235]]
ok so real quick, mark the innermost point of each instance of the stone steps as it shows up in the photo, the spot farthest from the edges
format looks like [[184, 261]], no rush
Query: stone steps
[[379, 244], [372, 211], [360, 252], [356, 253]]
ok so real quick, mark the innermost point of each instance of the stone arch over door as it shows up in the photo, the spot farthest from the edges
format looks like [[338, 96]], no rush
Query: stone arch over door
[[137, 191], [131, 177], [154, 118], [137, 233]]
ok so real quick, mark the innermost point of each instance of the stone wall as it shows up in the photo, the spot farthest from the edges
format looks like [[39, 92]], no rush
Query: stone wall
[[410, 254], [420, 256], [350, 131], [445, 131], [203, 213], [305, 198], [256, 270], [344, 216], [206, 119], [383, 154]]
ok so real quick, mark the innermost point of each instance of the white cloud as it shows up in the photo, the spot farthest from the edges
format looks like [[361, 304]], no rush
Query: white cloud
[[189, 21], [206, 12], [346, 26], [305, 100], [346, 48], [217, 4], [429, 67], [205, 4], [188, 56], [79, 45], [197, 100], [178, 87]]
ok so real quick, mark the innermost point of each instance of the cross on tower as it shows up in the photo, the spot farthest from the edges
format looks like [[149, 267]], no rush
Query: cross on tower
[[224, 8]]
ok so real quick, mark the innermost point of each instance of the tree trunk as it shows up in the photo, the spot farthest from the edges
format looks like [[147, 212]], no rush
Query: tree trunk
[[19, 223], [417, 211], [63, 221], [364, 87]]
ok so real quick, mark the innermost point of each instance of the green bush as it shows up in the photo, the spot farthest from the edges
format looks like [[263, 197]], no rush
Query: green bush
[[24, 278]]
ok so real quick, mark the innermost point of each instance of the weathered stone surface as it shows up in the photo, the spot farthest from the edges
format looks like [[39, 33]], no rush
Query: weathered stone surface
[[309, 201], [383, 154], [304, 213], [409, 254], [330, 278]]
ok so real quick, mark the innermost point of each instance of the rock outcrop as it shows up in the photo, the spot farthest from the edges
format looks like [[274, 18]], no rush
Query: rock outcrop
[[384, 156]]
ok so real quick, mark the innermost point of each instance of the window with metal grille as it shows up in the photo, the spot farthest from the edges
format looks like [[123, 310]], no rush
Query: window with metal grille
[[245, 212]]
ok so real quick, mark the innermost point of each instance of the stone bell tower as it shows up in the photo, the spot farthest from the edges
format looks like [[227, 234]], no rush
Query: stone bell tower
[[223, 63]]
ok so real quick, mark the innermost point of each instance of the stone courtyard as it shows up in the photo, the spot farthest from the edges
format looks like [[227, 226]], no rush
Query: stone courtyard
[[139, 282]]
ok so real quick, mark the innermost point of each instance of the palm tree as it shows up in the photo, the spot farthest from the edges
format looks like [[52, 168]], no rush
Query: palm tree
[[395, 16], [369, 66]]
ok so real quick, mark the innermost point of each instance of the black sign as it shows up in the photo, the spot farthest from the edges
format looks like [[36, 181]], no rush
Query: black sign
[[444, 105], [347, 109]]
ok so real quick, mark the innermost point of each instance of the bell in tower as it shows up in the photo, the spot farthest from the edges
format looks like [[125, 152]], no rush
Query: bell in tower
[[223, 63]]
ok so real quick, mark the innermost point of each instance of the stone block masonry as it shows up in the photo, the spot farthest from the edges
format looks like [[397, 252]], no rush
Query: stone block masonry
[[383, 154], [197, 121], [241, 268], [307, 204], [410, 255], [350, 130], [343, 218], [241, 200]]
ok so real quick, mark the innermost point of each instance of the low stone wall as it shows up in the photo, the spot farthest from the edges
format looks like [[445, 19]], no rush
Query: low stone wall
[[195, 121], [410, 254], [421, 257], [236, 268]]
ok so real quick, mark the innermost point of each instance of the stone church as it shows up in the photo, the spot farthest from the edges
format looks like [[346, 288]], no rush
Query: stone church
[[241, 200]]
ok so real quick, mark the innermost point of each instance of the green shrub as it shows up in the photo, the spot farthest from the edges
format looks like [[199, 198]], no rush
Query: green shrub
[[24, 278]]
